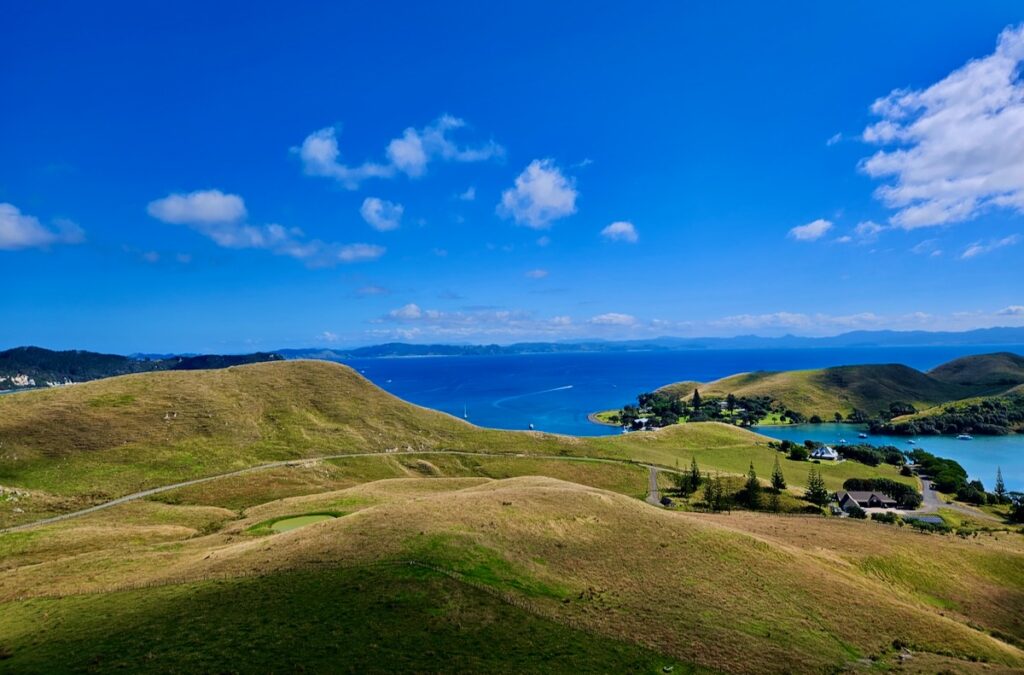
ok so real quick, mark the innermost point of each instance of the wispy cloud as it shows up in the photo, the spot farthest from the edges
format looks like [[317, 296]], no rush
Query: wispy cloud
[[956, 145], [468, 195], [812, 231], [542, 194], [20, 231], [981, 248], [1012, 310], [411, 153], [537, 274], [621, 231], [613, 319], [221, 218]]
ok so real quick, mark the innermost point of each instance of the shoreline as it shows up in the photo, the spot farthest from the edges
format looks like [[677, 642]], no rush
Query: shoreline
[[593, 417]]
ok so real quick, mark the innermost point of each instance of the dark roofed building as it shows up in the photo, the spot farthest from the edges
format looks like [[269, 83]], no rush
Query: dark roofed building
[[865, 500]]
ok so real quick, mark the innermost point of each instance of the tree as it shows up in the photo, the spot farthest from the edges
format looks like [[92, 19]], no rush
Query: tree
[[752, 490], [730, 402], [798, 453], [696, 399], [838, 417], [1000, 490], [816, 492], [778, 480], [694, 474], [774, 504], [714, 493]]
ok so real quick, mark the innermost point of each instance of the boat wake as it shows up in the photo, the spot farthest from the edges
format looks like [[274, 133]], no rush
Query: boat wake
[[500, 401]]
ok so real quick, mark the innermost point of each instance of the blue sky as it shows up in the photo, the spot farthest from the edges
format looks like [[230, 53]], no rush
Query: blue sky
[[230, 177]]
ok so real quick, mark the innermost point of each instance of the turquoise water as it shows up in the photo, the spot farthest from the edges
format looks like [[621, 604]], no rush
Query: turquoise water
[[979, 457]]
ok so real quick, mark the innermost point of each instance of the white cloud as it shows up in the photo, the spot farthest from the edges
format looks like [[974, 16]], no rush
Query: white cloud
[[416, 148], [613, 319], [350, 253], [380, 214], [19, 230], [981, 248], [957, 144], [1012, 310], [620, 231], [410, 153], [542, 195], [537, 274], [327, 336], [408, 312], [867, 231], [319, 153], [543, 241], [208, 207], [469, 194], [220, 217], [373, 290], [833, 139], [927, 247], [812, 231]]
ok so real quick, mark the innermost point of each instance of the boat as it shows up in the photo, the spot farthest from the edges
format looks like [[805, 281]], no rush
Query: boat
[[862, 435], [531, 426], [842, 441], [911, 442], [965, 437], [465, 412]]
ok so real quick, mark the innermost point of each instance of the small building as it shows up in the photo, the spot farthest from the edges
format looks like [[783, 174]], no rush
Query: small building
[[825, 452], [865, 500]]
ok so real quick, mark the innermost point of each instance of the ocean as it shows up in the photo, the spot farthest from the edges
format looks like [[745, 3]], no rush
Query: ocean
[[556, 392]]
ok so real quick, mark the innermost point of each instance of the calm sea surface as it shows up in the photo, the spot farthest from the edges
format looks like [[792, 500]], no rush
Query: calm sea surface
[[555, 392]]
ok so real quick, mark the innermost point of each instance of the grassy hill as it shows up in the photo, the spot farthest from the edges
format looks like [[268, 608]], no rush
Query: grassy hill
[[77, 446], [428, 560], [1000, 370], [533, 564], [869, 388]]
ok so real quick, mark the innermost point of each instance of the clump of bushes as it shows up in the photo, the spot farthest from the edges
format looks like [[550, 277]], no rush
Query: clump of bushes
[[887, 518]]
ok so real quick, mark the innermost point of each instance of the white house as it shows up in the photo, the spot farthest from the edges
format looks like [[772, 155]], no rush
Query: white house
[[825, 452]]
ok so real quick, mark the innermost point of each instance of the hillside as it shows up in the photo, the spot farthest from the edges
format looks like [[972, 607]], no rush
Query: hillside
[[1002, 369], [75, 446], [444, 569], [868, 388], [29, 367]]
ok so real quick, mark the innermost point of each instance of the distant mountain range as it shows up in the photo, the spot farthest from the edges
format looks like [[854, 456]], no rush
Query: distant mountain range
[[29, 367], [884, 338]]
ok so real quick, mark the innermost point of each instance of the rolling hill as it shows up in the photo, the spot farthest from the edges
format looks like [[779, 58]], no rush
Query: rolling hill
[[75, 446], [869, 388], [427, 560], [444, 569]]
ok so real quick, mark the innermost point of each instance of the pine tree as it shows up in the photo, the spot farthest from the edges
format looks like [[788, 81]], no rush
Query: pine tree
[[696, 399], [752, 490], [816, 492], [710, 498], [778, 480], [1000, 490], [694, 474]]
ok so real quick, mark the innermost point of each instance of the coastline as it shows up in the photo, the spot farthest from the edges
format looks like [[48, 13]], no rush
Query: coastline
[[593, 417]]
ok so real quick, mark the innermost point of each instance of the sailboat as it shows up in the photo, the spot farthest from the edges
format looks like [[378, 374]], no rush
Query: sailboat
[[465, 412]]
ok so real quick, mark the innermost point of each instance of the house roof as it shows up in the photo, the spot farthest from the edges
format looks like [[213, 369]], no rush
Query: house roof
[[863, 497]]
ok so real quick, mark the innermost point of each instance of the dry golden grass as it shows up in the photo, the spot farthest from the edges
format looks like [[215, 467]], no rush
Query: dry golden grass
[[743, 593]]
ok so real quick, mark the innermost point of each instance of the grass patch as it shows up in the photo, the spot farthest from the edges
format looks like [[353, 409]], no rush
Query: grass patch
[[271, 525]]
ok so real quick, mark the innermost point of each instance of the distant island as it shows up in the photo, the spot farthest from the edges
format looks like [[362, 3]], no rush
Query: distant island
[[981, 394], [854, 339], [33, 367]]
